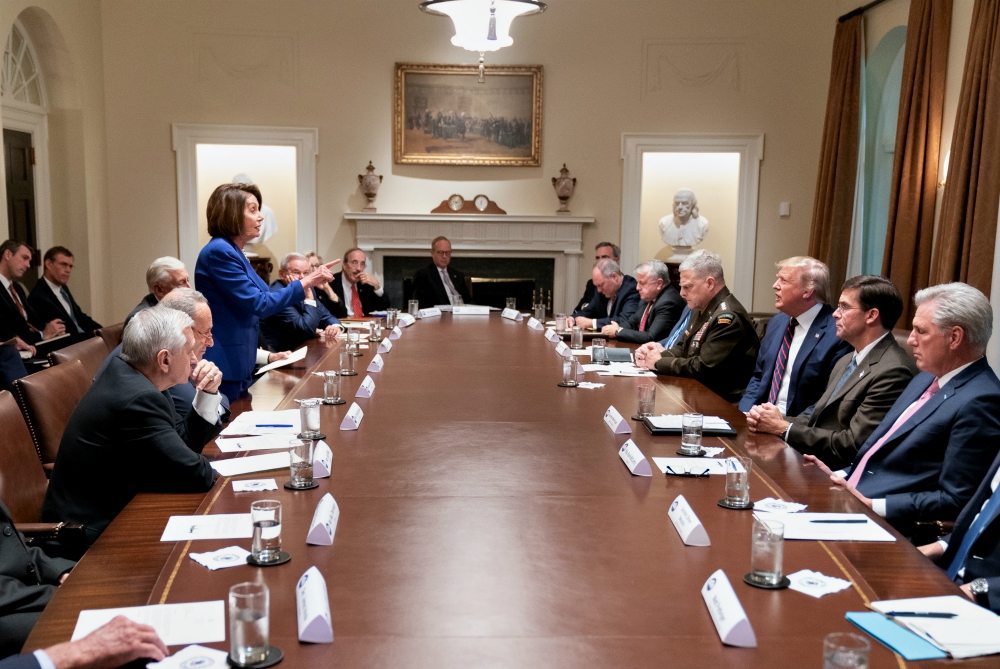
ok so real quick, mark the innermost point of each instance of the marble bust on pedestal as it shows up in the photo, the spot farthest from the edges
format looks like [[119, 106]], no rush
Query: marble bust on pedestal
[[685, 228]]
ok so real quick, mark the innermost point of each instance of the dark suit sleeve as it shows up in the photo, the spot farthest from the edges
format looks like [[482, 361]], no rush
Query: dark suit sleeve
[[25, 661], [630, 303], [589, 293], [423, 289], [325, 317], [660, 321], [373, 302]]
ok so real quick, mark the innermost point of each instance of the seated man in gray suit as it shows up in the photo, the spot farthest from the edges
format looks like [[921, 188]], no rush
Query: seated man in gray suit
[[862, 386]]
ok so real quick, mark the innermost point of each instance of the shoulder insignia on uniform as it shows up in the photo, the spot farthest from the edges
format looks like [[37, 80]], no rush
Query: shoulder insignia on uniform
[[722, 305], [724, 320]]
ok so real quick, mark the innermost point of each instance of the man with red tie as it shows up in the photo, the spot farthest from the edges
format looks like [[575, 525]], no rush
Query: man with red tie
[[658, 311], [359, 292], [17, 319]]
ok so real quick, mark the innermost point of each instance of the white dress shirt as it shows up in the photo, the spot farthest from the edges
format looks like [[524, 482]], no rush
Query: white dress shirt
[[57, 289], [805, 321]]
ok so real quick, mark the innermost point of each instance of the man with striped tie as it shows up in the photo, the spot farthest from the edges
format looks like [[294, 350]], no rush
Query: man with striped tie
[[926, 459], [51, 299]]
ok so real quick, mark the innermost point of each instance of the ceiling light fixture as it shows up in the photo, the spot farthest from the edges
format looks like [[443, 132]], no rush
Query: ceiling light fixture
[[482, 25]]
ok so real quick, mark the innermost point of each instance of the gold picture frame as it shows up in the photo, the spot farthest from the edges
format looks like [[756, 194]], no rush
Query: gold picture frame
[[443, 116]]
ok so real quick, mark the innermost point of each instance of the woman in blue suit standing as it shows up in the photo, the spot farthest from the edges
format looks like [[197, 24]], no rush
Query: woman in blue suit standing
[[238, 297]]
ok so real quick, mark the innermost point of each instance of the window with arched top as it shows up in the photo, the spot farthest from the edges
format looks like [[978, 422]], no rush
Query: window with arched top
[[20, 78]]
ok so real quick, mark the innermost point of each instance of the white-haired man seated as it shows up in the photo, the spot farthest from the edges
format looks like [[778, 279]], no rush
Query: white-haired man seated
[[164, 274]]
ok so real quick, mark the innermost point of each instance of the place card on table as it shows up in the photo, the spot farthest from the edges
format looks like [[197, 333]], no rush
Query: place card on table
[[353, 418], [366, 388], [614, 420], [406, 320], [376, 364], [634, 459], [324, 522], [470, 310], [384, 346], [563, 350], [313, 607], [255, 485], [727, 613], [428, 313], [551, 335], [322, 460], [535, 324], [395, 333], [687, 524], [512, 314]]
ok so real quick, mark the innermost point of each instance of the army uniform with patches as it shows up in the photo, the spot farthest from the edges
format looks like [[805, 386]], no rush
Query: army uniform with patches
[[719, 348]]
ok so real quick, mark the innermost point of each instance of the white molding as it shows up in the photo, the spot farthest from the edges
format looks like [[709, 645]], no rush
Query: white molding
[[751, 150], [187, 136], [27, 118]]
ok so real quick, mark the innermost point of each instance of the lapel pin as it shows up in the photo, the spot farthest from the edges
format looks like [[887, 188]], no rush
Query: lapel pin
[[817, 335]]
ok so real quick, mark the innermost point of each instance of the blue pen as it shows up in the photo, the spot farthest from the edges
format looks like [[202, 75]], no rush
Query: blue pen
[[274, 425]]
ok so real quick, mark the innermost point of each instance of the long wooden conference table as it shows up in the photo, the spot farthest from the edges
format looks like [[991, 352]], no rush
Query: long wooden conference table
[[487, 520]]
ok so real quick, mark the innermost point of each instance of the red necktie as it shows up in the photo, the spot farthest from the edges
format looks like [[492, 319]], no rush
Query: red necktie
[[781, 361], [645, 315], [17, 301], [356, 302]]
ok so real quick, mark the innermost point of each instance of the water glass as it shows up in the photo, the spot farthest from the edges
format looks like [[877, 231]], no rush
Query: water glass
[[300, 457], [570, 371], [456, 300], [391, 318], [767, 546], [560, 322], [266, 517], [347, 361], [691, 425], [512, 303], [249, 605], [309, 418], [540, 313], [843, 650], [647, 399], [412, 307], [576, 337], [738, 480], [353, 340], [375, 331], [597, 346], [331, 387]]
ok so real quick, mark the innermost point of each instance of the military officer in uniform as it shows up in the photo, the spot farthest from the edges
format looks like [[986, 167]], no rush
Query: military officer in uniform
[[719, 347]]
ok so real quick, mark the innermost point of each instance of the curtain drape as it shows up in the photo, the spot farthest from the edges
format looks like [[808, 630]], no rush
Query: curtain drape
[[964, 247], [833, 207], [910, 231]]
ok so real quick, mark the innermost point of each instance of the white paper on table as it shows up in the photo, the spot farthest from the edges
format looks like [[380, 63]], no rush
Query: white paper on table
[[673, 422], [294, 357], [611, 367], [430, 312], [799, 526], [251, 422], [614, 420], [589, 386], [772, 505], [583, 351], [637, 372], [815, 584], [470, 310], [634, 459], [353, 418], [357, 325], [974, 631], [255, 485], [322, 460], [210, 526], [324, 522], [712, 451], [366, 388], [193, 657], [512, 314], [252, 463], [535, 324], [264, 442], [312, 605], [406, 320], [727, 613], [693, 465], [233, 556], [687, 524], [175, 624], [376, 364]]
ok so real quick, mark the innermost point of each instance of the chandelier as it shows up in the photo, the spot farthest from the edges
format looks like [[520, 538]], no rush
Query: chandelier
[[482, 25]]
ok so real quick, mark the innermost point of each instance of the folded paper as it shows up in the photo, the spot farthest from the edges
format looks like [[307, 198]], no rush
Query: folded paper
[[687, 524], [427, 313], [395, 333], [470, 310], [551, 335], [634, 459], [384, 346], [353, 418], [535, 324], [727, 613], [366, 388], [406, 320], [313, 607], [512, 314], [322, 460], [563, 350], [376, 364], [324, 522], [614, 420]]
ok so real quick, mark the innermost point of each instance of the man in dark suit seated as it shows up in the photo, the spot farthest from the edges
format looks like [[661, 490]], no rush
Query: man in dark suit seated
[[863, 386], [656, 313], [125, 437], [17, 318], [164, 274], [801, 345], [115, 644], [298, 323], [358, 292], [719, 346], [601, 251], [439, 282], [11, 365], [926, 459], [51, 299], [617, 298]]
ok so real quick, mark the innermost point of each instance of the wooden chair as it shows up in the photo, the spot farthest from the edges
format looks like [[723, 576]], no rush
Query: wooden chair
[[112, 335], [91, 352], [47, 400]]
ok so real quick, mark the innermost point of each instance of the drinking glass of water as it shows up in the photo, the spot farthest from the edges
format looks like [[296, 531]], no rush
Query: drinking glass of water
[[331, 386], [347, 361], [309, 417], [413, 306], [738, 481], [576, 338], [266, 517], [249, 605], [560, 322], [540, 313], [597, 346], [570, 372], [842, 650], [391, 318], [691, 426], [300, 454], [512, 303], [647, 399], [767, 547]]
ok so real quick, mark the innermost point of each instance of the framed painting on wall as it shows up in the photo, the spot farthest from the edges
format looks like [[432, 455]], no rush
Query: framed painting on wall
[[443, 116]]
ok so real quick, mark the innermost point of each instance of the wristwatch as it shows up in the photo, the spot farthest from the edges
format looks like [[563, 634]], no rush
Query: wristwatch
[[980, 589]]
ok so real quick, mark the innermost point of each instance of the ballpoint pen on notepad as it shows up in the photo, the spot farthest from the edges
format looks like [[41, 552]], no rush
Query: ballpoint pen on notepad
[[920, 614], [848, 521], [274, 425]]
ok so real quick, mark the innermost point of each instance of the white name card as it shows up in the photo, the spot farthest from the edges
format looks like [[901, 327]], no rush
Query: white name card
[[376, 364], [395, 334], [512, 314], [614, 420], [384, 346], [353, 418], [313, 606], [551, 335], [727, 613], [427, 313], [406, 320], [324, 522], [563, 350], [535, 324], [366, 388], [634, 459], [470, 310], [690, 529], [322, 460]]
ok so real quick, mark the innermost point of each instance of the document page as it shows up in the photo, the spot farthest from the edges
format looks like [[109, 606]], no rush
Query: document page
[[252, 463], [294, 357], [830, 526], [673, 422], [212, 526], [264, 442], [973, 631], [252, 423], [692, 465], [176, 624]]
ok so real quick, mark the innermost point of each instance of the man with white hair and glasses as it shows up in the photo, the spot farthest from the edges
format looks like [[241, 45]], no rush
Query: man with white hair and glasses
[[164, 274]]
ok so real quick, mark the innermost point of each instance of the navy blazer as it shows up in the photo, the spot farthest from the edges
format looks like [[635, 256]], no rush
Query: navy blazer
[[48, 308], [429, 290], [26, 661], [239, 299], [12, 323], [932, 465], [295, 324], [626, 302], [810, 372]]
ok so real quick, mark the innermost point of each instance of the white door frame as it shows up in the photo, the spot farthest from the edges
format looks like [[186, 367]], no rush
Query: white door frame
[[186, 137], [28, 118], [751, 150]]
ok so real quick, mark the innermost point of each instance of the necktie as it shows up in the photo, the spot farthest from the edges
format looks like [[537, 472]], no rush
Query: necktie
[[781, 361], [356, 302], [645, 315], [69, 304], [17, 301], [678, 331], [847, 374], [857, 471], [973, 533], [449, 287]]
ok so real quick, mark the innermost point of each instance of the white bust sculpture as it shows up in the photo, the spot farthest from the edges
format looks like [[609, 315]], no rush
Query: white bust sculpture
[[685, 227], [270, 224]]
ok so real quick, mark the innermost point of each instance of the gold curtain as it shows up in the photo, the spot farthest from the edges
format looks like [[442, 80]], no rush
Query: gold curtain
[[910, 232], [830, 236], [967, 230]]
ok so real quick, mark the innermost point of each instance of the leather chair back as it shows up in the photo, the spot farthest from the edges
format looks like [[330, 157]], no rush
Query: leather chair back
[[24, 481], [91, 352], [47, 400], [112, 335], [901, 336]]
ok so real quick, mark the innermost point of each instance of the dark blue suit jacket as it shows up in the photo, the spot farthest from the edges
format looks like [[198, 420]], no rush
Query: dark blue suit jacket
[[239, 299], [626, 302], [810, 373], [932, 465], [27, 661], [295, 324]]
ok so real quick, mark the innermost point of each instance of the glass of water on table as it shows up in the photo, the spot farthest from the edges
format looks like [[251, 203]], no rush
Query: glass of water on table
[[249, 628], [300, 453], [766, 553], [266, 517], [737, 483]]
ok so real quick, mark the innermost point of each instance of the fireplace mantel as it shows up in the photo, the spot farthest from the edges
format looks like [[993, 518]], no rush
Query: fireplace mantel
[[481, 235]]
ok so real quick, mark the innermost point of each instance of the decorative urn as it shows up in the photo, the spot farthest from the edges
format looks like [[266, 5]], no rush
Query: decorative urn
[[369, 185], [564, 185]]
